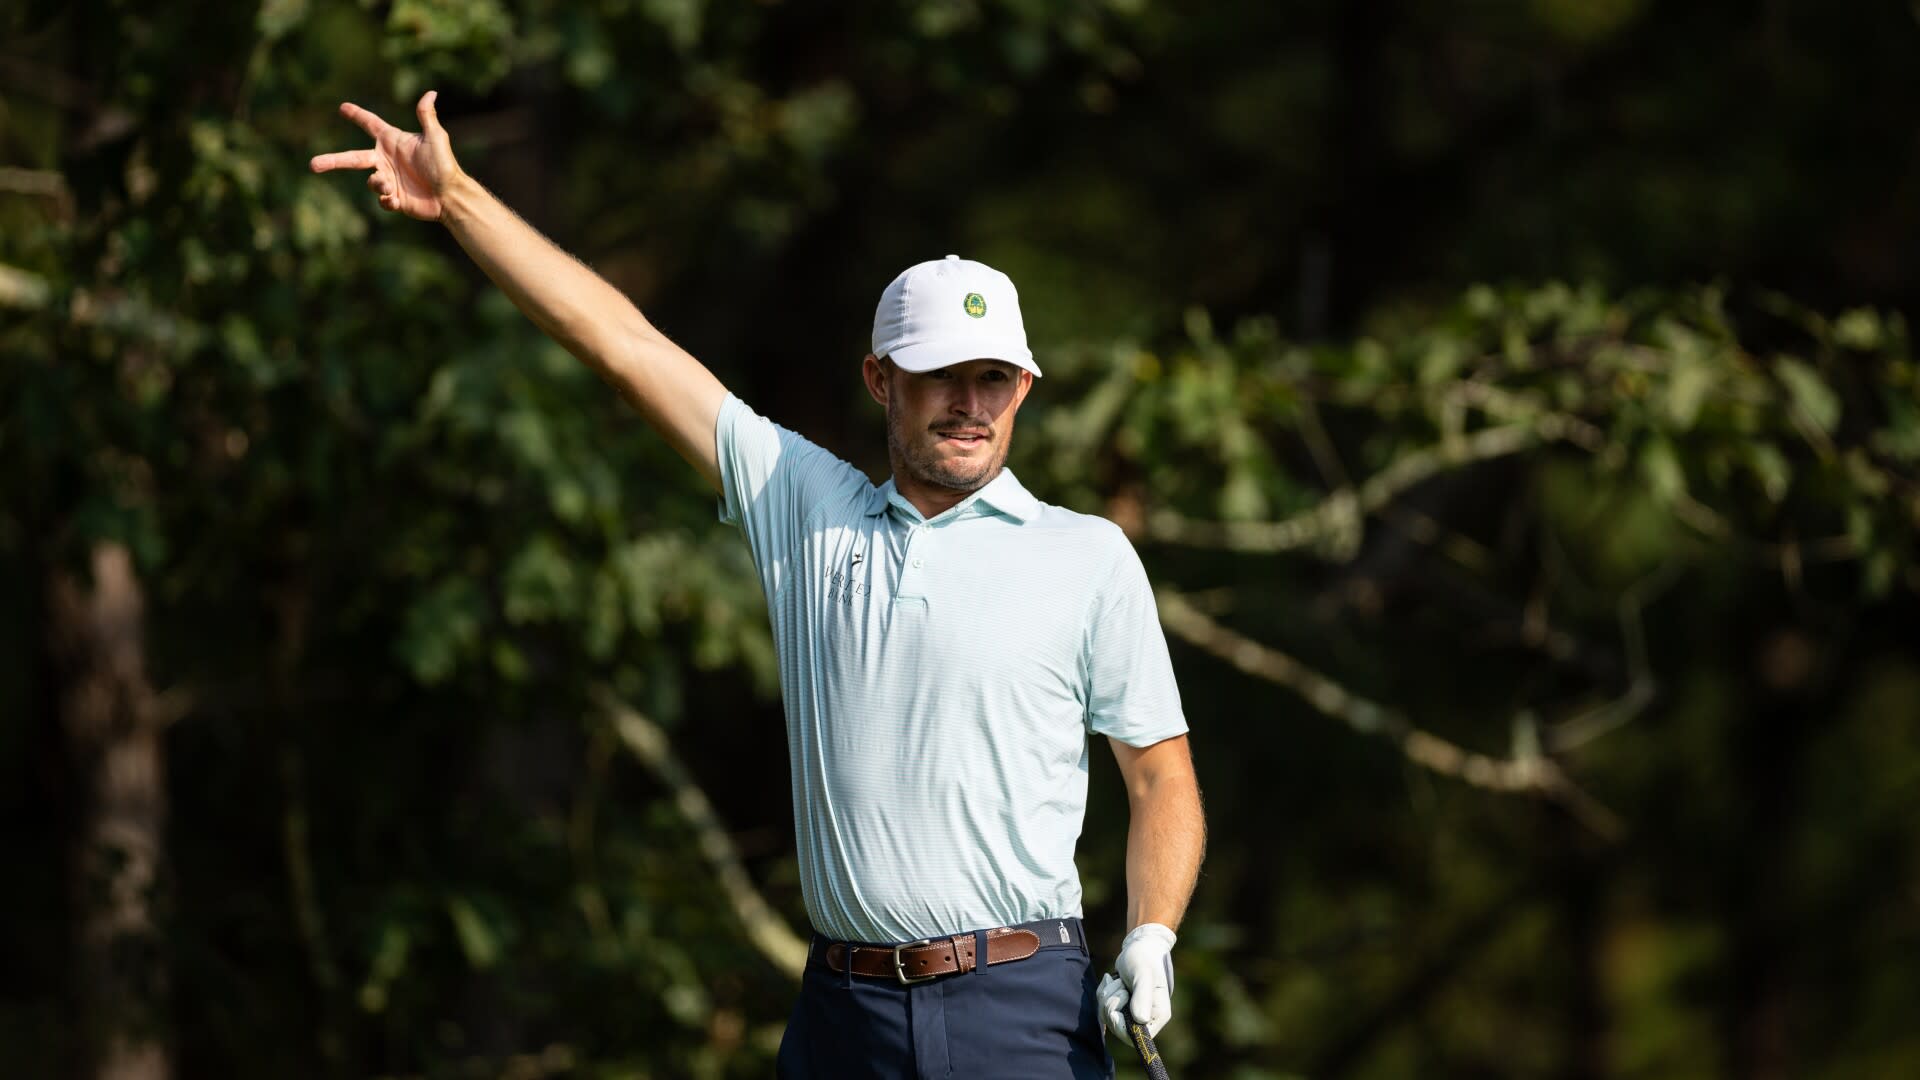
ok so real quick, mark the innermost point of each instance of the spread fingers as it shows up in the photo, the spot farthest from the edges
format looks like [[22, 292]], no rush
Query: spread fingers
[[368, 122], [347, 159]]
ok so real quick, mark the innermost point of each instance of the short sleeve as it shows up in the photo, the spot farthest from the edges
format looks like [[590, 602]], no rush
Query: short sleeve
[[771, 481], [1132, 696]]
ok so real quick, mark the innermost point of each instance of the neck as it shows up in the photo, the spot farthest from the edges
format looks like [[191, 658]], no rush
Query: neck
[[931, 500]]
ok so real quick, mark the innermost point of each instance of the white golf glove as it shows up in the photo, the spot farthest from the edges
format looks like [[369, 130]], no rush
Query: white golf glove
[[1145, 985]]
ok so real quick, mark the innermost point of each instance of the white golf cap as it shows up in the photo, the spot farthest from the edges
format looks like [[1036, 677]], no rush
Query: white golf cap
[[948, 311]]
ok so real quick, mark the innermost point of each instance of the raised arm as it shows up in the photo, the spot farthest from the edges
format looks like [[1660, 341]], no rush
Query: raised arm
[[416, 175]]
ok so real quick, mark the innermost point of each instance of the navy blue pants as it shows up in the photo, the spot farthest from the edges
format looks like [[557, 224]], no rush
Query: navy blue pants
[[1034, 1018]]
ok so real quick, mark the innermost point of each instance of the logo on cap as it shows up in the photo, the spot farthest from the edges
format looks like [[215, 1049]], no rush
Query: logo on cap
[[976, 305]]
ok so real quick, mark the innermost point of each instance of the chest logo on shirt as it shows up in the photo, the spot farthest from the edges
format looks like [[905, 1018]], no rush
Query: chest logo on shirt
[[843, 586]]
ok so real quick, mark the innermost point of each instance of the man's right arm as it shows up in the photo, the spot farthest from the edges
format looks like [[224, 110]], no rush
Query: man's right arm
[[416, 174], [593, 320]]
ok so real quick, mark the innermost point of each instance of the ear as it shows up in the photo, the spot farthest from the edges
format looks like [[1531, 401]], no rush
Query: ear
[[1023, 387], [874, 373]]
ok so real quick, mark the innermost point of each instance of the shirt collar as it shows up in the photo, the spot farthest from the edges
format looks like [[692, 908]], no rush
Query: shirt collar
[[1003, 493]]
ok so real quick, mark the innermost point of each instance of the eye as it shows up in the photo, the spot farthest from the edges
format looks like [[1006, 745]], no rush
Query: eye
[[994, 375]]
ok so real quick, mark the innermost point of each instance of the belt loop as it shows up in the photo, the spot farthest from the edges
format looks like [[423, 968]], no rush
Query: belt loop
[[979, 952], [1080, 934], [846, 961]]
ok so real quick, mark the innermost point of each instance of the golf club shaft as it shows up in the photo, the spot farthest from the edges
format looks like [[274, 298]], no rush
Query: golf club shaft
[[1149, 1053]]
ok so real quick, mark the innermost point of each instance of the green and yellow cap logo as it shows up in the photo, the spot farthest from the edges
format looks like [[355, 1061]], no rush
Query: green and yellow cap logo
[[976, 305]]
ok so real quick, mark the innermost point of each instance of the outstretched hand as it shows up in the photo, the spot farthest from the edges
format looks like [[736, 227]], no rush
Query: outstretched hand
[[410, 171]]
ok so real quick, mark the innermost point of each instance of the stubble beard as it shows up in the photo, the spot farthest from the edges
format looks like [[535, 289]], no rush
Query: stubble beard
[[923, 463]]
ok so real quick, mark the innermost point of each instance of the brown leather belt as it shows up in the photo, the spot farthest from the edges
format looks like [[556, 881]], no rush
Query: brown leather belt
[[919, 961]]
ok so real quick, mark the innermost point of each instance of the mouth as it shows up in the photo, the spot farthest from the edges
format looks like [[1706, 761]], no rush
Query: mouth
[[964, 439]]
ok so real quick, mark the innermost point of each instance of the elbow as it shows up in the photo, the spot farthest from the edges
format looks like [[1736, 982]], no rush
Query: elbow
[[1173, 788]]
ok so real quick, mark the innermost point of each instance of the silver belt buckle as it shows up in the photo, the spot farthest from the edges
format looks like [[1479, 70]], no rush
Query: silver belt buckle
[[900, 970]]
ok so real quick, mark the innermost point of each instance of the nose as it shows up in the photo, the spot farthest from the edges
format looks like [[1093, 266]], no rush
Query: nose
[[966, 399]]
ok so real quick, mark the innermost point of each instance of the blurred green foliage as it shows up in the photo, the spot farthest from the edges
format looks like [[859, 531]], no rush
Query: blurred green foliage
[[391, 538]]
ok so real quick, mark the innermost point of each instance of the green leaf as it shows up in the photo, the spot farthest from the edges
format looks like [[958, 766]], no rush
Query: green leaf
[[1687, 387], [389, 963], [590, 62], [540, 583], [1900, 439], [1515, 346], [1769, 466], [510, 662], [1442, 361], [477, 940], [1241, 498], [240, 340], [1879, 572], [1661, 468], [1810, 393], [603, 618], [1860, 526], [1199, 325], [440, 629], [526, 433], [1370, 361], [1858, 329], [323, 218], [277, 18], [681, 19]]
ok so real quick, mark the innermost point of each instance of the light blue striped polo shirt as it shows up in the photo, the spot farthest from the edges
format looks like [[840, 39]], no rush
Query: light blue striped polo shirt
[[940, 677]]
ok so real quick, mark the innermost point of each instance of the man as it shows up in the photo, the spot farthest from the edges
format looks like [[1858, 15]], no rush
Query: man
[[947, 642]]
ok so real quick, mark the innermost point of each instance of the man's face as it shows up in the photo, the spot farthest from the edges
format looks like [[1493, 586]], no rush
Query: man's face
[[950, 427]]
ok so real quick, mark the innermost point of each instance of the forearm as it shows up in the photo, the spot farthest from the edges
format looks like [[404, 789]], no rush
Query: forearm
[[571, 303], [590, 318], [1166, 840]]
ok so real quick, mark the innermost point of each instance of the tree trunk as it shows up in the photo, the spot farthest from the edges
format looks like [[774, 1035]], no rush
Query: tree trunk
[[112, 727]]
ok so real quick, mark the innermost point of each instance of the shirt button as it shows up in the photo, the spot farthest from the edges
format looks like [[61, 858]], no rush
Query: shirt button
[[916, 564]]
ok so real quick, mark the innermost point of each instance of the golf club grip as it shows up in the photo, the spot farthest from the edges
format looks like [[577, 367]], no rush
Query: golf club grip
[[1149, 1053]]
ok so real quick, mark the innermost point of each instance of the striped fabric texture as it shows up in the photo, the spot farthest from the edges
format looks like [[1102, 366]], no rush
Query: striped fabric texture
[[940, 678]]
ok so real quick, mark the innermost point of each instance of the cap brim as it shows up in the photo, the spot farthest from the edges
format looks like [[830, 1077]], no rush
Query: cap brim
[[928, 355]]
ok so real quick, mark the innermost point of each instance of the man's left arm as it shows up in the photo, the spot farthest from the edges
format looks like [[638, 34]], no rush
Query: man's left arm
[[1166, 839], [1166, 830], [1133, 701]]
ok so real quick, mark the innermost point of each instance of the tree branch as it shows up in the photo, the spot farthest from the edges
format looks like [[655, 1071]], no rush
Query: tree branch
[[1339, 514], [1526, 771], [649, 742], [1641, 686]]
